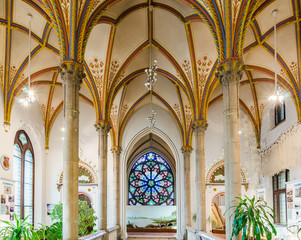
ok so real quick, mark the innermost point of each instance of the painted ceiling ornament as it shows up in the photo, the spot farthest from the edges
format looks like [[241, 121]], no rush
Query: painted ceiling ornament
[[177, 109], [294, 69], [114, 115], [188, 114], [113, 70], [188, 70], [204, 66], [97, 67], [66, 9], [124, 111], [1, 75], [235, 9]]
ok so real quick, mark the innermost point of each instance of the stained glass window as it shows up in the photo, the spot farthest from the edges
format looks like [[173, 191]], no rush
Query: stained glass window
[[151, 181], [23, 175]]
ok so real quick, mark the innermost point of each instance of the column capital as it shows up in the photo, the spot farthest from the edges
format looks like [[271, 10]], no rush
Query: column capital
[[199, 125], [116, 149], [102, 127], [186, 149], [71, 72], [230, 70]]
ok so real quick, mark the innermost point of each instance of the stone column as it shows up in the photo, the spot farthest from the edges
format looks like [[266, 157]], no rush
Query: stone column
[[103, 129], [71, 75], [230, 73], [116, 174], [186, 150], [199, 127]]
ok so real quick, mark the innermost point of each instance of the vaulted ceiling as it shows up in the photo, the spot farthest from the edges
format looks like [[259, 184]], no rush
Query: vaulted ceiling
[[114, 40]]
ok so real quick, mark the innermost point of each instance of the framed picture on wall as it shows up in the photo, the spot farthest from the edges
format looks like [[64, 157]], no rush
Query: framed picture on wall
[[5, 162]]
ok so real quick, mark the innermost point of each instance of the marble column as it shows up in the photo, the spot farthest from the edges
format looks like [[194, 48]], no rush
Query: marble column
[[199, 127], [116, 174], [186, 150], [71, 75], [230, 73], [103, 129]]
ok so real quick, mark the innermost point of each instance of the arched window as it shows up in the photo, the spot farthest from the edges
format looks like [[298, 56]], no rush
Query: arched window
[[23, 176], [84, 197], [151, 181]]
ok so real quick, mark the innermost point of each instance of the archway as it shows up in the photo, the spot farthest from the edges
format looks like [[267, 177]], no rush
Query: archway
[[151, 196]]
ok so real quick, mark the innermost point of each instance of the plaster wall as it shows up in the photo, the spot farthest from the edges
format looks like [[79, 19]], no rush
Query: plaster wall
[[214, 152], [88, 153], [167, 129], [31, 121]]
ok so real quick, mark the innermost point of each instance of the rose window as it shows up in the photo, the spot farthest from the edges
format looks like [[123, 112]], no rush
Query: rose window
[[151, 181]]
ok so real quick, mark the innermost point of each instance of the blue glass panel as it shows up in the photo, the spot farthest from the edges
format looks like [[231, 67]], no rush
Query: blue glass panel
[[151, 181], [281, 180], [28, 156], [282, 206], [282, 113], [23, 138]]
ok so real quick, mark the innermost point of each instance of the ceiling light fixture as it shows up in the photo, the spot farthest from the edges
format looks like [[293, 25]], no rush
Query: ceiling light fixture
[[276, 95], [151, 74], [30, 97]]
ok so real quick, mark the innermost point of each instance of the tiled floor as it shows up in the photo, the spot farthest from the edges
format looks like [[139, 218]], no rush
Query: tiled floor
[[223, 236], [151, 234]]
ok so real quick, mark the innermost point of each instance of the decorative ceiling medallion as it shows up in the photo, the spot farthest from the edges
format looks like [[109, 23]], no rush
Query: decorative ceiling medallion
[[5, 162]]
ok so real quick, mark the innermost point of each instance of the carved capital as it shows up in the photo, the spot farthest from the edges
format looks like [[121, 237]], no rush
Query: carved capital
[[186, 149], [116, 150], [199, 125], [103, 127], [71, 72], [230, 70]]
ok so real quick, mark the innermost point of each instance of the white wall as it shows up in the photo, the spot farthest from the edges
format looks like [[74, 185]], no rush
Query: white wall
[[87, 149], [214, 151], [30, 120], [167, 129]]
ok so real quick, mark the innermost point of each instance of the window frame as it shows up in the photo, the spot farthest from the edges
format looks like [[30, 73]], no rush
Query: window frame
[[277, 192], [24, 148], [277, 113]]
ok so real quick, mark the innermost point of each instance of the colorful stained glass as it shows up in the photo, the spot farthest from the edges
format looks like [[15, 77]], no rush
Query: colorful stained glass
[[151, 181]]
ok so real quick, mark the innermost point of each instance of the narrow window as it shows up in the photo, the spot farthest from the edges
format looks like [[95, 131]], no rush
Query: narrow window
[[279, 113], [279, 196], [24, 176]]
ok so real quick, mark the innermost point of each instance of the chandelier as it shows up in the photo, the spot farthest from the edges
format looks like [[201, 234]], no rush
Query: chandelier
[[151, 74], [30, 97], [276, 97]]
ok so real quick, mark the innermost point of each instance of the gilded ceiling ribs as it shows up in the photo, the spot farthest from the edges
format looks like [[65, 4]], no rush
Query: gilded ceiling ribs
[[105, 76]]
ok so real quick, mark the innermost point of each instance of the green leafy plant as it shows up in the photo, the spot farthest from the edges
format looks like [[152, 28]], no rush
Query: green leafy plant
[[253, 218], [86, 217], [19, 230], [52, 232]]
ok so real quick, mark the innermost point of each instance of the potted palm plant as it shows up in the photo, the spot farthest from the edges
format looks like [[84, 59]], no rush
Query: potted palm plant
[[20, 230], [253, 218]]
